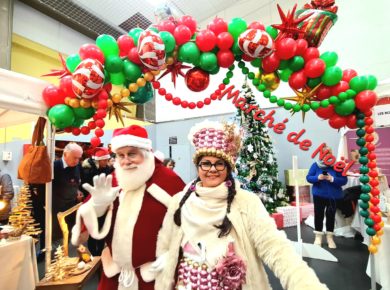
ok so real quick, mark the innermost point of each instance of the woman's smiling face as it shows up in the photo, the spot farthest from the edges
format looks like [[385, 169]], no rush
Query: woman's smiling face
[[212, 171]]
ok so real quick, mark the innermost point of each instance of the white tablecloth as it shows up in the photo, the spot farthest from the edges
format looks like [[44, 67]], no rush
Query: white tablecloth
[[18, 269], [382, 261]]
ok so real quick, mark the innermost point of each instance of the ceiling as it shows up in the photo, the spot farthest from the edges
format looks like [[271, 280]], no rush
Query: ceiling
[[96, 17]]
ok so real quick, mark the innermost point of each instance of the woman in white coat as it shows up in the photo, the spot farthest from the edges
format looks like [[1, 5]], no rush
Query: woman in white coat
[[216, 235]]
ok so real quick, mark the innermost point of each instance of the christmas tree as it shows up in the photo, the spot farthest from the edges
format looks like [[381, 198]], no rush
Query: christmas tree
[[256, 165]]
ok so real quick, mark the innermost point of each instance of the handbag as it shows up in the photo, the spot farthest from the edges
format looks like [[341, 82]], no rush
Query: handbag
[[35, 166]]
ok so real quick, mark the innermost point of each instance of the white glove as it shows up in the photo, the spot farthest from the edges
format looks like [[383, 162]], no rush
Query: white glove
[[102, 193], [160, 263]]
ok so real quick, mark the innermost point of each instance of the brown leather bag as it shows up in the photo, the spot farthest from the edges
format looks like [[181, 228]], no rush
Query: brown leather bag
[[35, 166]]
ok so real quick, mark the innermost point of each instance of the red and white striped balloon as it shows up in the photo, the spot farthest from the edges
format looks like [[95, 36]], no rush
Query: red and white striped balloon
[[88, 78], [151, 50], [256, 43]]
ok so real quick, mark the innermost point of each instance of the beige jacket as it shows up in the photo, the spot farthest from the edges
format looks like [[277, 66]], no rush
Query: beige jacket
[[256, 240]]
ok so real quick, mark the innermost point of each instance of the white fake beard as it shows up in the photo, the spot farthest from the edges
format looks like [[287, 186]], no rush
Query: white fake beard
[[135, 176]]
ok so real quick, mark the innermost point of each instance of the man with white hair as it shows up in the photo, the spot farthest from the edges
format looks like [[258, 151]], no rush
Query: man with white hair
[[66, 184], [132, 219]]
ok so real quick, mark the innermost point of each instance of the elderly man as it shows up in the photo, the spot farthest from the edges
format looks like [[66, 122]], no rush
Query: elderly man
[[131, 221], [65, 186]]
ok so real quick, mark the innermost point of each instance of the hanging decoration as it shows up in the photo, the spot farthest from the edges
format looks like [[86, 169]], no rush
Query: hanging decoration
[[197, 80]]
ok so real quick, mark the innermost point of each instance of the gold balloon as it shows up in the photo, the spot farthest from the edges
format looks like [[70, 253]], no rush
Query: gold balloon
[[74, 103], [109, 103], [376, 240], [148, 76], [95, 104], [66, 100], [133, 87], [125, 93], [116, 98], [379, 233], [84, 103], [372, 249], [271, 81], [141, 82], [170, 60]]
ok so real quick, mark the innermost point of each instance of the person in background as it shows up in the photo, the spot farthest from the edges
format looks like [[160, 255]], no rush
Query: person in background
[[170, 163], [111, 161], [6, 195], [65, 185], [91, 167], [216, 235], [327, 193]]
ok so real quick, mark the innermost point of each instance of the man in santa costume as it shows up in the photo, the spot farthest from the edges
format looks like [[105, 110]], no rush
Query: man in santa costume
[[132, 216]]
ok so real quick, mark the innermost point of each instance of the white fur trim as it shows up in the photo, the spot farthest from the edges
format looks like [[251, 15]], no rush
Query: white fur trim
[[160, 194], [110, 268], [147, 273], [130, 203], [88, 213], [104, 157], [130, 140]]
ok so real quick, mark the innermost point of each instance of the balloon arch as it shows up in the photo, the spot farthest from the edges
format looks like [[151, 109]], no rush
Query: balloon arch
[[285, 52]]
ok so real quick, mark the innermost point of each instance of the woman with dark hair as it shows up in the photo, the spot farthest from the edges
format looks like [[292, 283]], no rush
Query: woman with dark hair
[[169, 162], [216, 235]]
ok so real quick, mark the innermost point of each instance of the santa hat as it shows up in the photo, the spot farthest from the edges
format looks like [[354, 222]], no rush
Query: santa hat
[[215, 139], [101, 154], [135, 136]]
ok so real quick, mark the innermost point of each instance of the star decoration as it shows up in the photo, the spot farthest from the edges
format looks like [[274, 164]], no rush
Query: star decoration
[[175, 69], [59, 72], [304, 96], [288, 28], [116, 110], [250, 148]]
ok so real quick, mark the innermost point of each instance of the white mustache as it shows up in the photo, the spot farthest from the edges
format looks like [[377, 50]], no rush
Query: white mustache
[[131, 166]]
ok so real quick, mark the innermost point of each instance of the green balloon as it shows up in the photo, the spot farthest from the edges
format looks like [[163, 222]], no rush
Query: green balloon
[[369, 222], [83, 113], [131, 70], [107, 45], [143, 94], [189, 53], [153, 28], [372, 82], [135, 33], [358, 83], [330, 58], [285, 74], [208, 61], [236, 49], [363, 204], [364, 169], [332, 76], [365, 197], [364, 178], [283, 64], [364, 213], [106, 76], [113, 64], [214, 71], [296, 63], [370, 231], [169, 41], [345, 108], [313, 82], [237, 26], [78, 123], [61, 116], [256, 62], [273, 32], [117, 78], [72, 61]]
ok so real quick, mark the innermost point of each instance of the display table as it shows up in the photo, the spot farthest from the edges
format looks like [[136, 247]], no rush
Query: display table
[[73, 282], [18, 265], [382, 261]]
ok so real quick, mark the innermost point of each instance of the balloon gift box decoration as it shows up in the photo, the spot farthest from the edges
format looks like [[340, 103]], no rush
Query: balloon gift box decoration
[[285, 52]]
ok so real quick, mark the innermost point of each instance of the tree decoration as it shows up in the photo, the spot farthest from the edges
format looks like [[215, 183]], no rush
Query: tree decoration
[[197, 80], [175, 70]]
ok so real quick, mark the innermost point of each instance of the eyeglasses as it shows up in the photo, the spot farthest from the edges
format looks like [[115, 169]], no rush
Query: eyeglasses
[[206, 165]]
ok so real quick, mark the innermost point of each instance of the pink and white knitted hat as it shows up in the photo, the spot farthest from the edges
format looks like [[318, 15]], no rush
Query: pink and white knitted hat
[[212, 138]]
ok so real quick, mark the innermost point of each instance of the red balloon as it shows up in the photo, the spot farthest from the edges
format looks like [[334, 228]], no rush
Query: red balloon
[[176, 101], [246, 57], [302, 45], [365, 100], [325, 113], [374, 182], [375, 191], [189, 22], [100, 123], [369, 129], [66, 86], [53, 95], [270, 63], [369, 138], [95, 141], [85, 130], [376, 218], [125, 43], [342, 86], [184, 104], [285, 48], [133, 56], [256, 25], [218, 25], [314, 68], [91, 125], [107, 87], [323, 92], [337, 121], [225, 58], [225, 40], [182, 34], [348, 74], [371, 156], [371, 164], [76, 131], [206, 40], [351, 121], [167, 25], [91, 51], [370, 147], [374, 209], [310, 53], [297, 80], [99, 132], [377, 227], [197, 79], [192, 105], [373, 173]]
